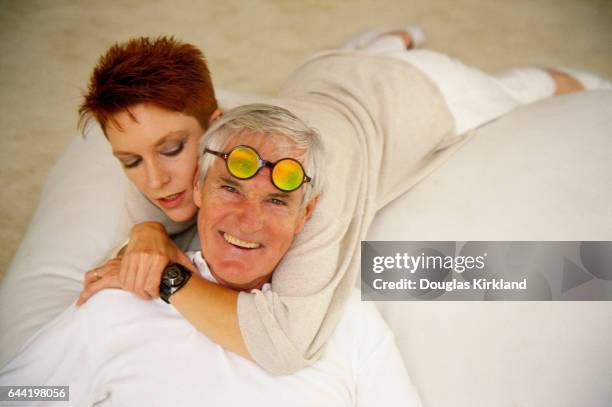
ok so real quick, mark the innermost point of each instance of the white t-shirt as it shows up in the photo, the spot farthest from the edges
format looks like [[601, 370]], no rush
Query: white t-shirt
[[120, 350]]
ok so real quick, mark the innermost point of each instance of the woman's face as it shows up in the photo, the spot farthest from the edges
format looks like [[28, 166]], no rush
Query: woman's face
[[158, 149]]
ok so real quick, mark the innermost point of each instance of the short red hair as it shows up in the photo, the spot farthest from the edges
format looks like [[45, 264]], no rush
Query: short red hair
[[162, 71]]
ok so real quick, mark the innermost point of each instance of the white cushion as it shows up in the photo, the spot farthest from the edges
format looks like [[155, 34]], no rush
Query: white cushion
[[543, 172], [75, 227]]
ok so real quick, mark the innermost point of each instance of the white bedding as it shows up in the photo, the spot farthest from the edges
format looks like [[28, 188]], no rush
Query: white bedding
[[542, 172]]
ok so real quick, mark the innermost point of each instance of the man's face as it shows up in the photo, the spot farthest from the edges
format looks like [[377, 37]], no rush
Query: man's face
[[247, 226], [158, 149]]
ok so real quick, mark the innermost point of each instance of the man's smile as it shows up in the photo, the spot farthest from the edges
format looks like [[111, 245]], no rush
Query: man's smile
[[243, 244]]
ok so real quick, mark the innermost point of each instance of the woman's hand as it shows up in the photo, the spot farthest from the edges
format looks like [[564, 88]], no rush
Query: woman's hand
[[106, 276], [140, 266], [148, 252]]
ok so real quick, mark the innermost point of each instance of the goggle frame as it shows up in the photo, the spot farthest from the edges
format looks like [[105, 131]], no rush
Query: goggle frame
[[261, 163]]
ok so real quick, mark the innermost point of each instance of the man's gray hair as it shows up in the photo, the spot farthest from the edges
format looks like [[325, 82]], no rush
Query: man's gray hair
[[272, 121]]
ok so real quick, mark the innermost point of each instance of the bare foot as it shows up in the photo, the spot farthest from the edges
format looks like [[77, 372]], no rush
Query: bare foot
[[564, 83], [404, 35]]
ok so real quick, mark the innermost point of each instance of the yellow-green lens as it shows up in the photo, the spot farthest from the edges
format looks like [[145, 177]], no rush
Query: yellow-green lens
[[243, 162], [288, 175]]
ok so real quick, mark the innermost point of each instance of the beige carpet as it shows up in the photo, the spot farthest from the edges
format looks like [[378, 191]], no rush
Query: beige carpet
[[49, 47]]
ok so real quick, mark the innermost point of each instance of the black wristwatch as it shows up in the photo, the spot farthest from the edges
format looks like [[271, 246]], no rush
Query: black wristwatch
[[174, 277]]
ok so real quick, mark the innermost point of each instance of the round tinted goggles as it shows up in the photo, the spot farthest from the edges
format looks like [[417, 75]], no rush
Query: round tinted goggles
[[244, 162]]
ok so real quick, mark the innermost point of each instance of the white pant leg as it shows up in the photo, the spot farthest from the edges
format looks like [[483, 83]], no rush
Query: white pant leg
[[474, 97], [527, 85], [374, 41], [387, 44], [378, 39]]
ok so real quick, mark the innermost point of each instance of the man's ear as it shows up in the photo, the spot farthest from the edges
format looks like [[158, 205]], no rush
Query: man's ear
[[214, 116], [197, 190], [307, 213]]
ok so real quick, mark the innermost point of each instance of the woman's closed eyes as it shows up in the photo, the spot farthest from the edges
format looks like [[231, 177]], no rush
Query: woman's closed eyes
[[171, 150]]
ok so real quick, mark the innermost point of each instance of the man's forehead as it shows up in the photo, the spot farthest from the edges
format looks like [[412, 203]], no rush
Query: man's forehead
[[269, 147]]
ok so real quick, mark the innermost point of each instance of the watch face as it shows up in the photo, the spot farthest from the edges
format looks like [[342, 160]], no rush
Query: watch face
[[172, 273], [173, 276]]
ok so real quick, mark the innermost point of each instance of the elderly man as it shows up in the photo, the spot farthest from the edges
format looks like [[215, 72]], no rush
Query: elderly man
[[260, 177]]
